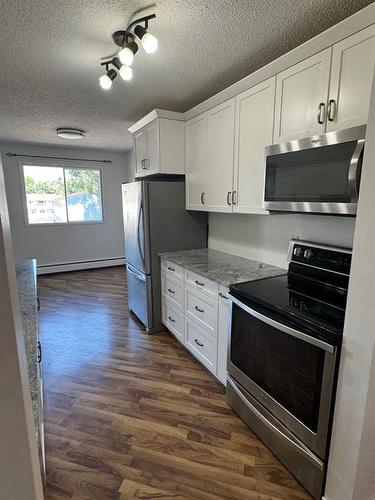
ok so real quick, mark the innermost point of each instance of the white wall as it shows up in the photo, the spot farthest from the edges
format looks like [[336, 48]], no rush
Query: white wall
[[266, 237], [20, 476], [69, 243], [351, 468]]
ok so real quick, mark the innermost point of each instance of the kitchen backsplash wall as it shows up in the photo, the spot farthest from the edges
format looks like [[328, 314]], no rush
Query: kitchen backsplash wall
[[266, 238]]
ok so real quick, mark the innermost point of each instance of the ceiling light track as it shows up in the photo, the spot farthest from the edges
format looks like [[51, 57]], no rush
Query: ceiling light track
[[126, 40]]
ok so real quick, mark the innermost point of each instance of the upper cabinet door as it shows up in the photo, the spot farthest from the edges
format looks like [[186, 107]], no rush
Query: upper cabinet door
[[196, 162], [254, 131], [152, 134], [353, 62], [220, 156], [301, 98], [140, 153]]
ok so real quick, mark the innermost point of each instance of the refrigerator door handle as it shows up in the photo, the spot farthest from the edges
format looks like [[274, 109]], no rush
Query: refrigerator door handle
[[140, 216], [140, 277]]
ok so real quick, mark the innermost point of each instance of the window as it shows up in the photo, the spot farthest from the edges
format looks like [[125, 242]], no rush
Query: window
[[62, 195]]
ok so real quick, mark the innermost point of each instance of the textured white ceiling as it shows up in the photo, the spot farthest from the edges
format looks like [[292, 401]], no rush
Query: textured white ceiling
[[50, 53]]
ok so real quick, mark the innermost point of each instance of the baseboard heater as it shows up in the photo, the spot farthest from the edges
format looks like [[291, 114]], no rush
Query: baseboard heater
[[80, 265]]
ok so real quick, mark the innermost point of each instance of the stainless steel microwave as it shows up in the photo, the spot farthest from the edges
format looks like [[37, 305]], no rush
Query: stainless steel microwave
[[319, 174]]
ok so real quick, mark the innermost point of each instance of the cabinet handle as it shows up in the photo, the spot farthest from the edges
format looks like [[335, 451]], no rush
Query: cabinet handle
[[234, 198], [197, 342], [143, 163], [203, 198], [171, 319], [331, 111], [171, 269], [39, 352], [199, 283], [223, 296], [171, 291], [321, 116], [38, 303], [229, 198], [199, 310]]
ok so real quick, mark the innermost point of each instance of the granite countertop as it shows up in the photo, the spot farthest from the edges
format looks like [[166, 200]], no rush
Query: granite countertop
[[224, 268], [26, 282]]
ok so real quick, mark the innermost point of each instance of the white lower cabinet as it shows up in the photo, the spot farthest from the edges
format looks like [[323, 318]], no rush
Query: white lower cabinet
[[201, 344], [222, 334], [201, 309], [199, 320]]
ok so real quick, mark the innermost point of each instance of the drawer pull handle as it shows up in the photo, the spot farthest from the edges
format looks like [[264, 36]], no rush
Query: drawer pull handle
[[223, 296], [171, 268], [199, 310], [198, 343], [199, 283], [171, 291], [171, 319]]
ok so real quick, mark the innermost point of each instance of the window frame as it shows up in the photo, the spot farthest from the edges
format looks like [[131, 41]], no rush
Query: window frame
[[66, 164]]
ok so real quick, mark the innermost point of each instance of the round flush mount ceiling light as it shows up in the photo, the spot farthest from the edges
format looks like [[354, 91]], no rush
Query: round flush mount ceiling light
[[70, 133]]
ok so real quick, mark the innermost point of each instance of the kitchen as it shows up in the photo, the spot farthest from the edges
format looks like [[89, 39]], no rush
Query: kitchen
[[107, 382]]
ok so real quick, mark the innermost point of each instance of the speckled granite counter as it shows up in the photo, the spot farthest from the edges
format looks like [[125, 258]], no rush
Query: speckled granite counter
[[26, 282], [224, 268]]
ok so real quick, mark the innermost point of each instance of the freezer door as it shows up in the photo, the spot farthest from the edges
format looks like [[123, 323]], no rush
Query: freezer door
[[139, 295], [135, 210]]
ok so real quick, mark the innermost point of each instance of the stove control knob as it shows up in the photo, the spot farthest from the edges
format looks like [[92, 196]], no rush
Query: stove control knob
[[298, 252], [308, 254]]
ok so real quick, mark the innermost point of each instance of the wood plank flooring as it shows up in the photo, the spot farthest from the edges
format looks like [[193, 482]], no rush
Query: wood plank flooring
[[131, 416]]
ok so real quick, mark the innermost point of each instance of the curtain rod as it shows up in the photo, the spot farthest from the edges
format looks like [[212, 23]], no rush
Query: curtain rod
[[59, 158]]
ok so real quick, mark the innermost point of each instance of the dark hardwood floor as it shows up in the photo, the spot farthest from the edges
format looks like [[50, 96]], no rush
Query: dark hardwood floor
[[133, 416]]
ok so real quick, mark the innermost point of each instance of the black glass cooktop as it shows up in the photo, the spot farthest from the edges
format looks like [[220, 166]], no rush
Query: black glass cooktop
[[312, 306]]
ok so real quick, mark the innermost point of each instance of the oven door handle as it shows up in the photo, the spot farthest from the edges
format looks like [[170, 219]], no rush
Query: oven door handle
[[286, 329], [272, 427]]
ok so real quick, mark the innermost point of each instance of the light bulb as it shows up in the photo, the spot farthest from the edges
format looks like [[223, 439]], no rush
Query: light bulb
[[126, 56], [107, 79], [150, 43], [105, 82], [126, 72]]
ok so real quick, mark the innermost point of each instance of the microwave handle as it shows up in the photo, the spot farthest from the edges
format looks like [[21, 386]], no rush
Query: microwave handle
[[353, 170], [284, 328]]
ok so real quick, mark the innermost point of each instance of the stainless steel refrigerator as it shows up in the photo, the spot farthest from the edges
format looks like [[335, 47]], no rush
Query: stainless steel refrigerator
[[155, 221]]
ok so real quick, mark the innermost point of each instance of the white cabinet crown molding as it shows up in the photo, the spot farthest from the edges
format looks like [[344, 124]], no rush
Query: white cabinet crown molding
[[156, 113]]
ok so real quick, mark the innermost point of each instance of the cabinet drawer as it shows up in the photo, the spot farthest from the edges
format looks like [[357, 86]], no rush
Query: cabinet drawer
[[172, 269], [173, 289], [204, 285], [202, 345], [202, 309], [173, 319]]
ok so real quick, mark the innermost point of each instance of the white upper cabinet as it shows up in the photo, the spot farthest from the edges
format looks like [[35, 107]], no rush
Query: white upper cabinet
[[301, 98], [152, 141], [353, 62], [220, 151], [254, 130], [196, 162], [140, 152], [159, 146]]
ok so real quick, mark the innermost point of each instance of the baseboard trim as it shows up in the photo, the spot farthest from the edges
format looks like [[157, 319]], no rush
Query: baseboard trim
[[80, 265]]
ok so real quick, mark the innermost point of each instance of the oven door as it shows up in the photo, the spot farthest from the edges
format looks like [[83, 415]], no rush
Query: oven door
[[289, 372], [320, 174]]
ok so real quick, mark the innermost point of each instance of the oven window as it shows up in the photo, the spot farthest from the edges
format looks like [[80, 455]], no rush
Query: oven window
[[288, 369], [312, 175]]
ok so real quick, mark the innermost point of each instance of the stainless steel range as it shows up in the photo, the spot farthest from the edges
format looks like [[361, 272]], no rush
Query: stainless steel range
[[284, 348]]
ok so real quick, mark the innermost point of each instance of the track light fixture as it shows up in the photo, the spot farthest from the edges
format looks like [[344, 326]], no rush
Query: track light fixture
[[125, 39]]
